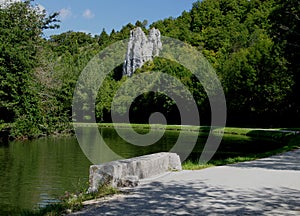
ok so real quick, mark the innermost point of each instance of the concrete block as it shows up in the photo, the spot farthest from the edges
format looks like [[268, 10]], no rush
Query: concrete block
[[126, 173]]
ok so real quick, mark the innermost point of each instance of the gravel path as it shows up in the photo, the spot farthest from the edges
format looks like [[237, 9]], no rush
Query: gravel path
[[269, 186]]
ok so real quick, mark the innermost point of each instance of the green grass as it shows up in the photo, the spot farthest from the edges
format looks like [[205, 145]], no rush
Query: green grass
[[71, 202], [237, 131], [148, 127], [190, 165], [292, 142]]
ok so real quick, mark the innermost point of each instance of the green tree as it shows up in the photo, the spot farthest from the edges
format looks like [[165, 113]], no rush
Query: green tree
[[70, 41], [253, 46], [258, 72], [103, 38], [20, 35], [285, 19], [257, 83]]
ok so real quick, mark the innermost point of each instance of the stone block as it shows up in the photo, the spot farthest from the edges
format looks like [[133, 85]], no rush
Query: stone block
[[126, 173]]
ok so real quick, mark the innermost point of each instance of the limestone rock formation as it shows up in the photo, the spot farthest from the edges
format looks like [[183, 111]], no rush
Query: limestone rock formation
[[141, 49]]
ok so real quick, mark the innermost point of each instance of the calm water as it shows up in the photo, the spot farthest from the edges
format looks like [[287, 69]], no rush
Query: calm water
[[34, 173]]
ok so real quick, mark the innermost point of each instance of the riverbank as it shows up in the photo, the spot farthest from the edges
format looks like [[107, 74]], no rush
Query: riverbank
[[254, 132], [8, 132], [71, 202], [290, 137]]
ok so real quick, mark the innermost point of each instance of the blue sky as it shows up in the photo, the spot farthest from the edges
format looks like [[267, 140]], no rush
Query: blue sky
[[92, 16]]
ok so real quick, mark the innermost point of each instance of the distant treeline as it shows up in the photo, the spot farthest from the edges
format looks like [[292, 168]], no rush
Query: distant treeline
[[253, 46]]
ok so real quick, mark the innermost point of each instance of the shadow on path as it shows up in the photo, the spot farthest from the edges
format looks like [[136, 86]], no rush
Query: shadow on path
[[201, 199], [209, 192]]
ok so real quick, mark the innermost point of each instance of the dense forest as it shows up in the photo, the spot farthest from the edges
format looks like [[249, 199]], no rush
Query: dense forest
[[252, 44]]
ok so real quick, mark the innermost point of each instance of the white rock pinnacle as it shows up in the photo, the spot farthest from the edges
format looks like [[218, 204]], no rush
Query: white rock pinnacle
[[141, 49]]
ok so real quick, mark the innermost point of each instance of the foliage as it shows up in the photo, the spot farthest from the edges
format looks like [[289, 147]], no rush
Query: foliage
[[252, 45], [20, 40], [234, 37], [285, 31]]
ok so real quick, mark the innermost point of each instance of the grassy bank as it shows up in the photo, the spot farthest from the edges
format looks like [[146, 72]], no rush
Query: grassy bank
[[289, 137], [71, 202], [226, 130], [148, 127]]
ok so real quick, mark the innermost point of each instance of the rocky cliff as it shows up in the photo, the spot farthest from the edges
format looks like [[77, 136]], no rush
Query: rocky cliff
[[141, 49]]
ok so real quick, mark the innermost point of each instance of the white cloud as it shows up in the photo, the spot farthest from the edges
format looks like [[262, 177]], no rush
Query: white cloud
[[88, 14], [65, 13]]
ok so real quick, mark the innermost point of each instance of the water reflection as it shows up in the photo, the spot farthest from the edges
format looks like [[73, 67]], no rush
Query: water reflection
[[37, 172]]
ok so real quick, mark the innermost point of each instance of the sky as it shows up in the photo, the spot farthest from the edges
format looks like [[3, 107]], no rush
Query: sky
[[91, 16]]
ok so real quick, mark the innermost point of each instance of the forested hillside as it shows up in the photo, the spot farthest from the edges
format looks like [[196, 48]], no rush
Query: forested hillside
[[253, 46]]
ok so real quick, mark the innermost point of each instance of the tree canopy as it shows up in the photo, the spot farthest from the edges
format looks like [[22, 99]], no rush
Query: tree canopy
[[252, 45]]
